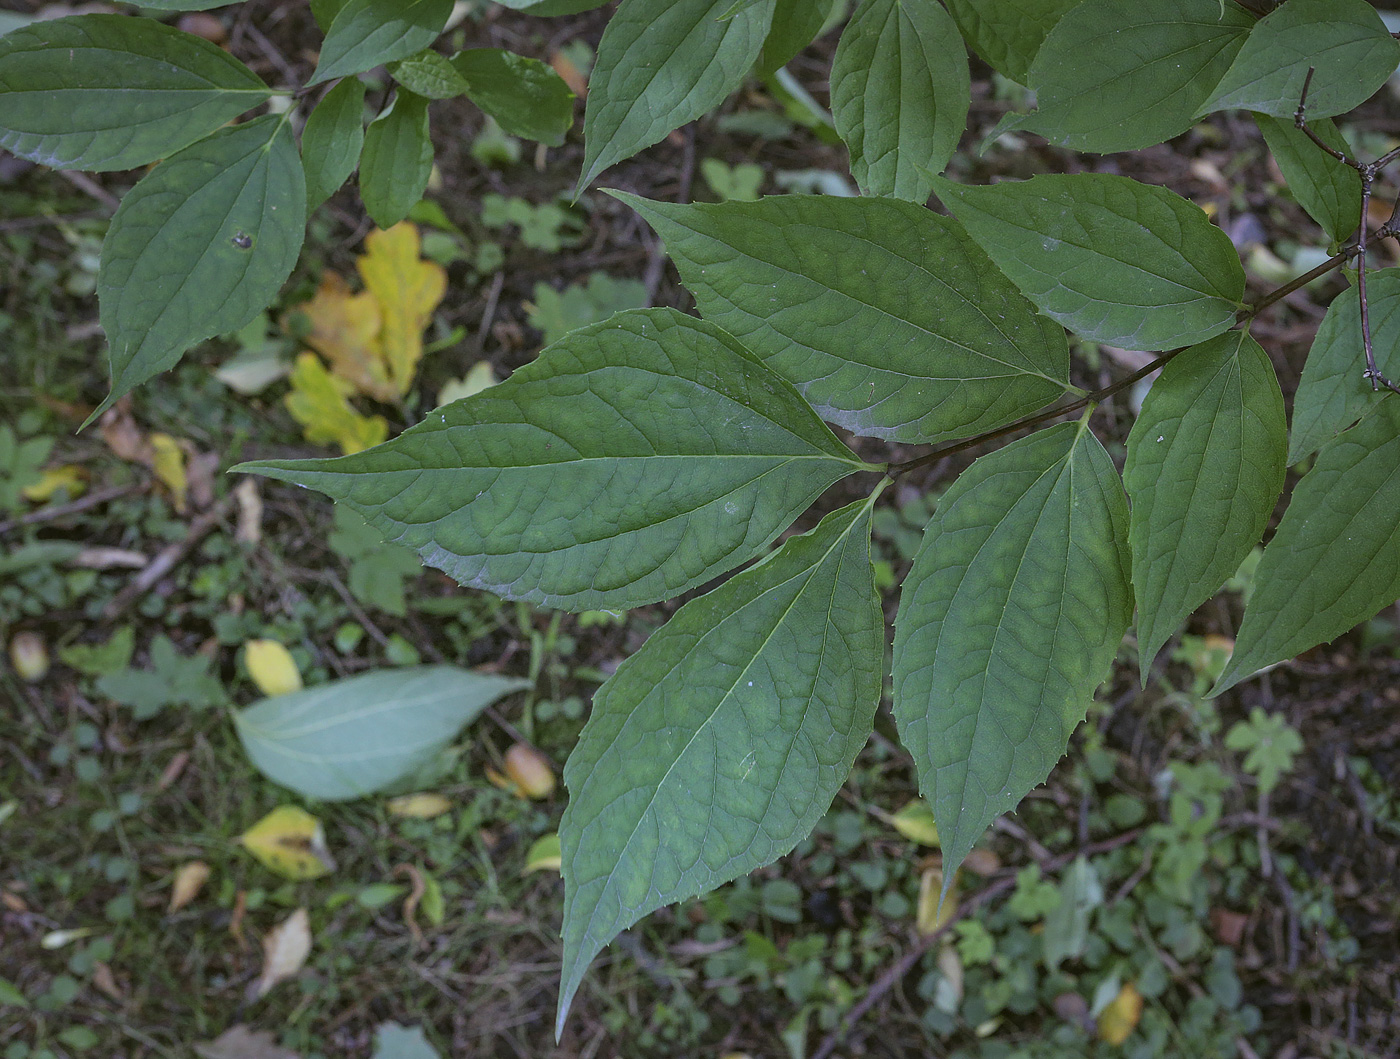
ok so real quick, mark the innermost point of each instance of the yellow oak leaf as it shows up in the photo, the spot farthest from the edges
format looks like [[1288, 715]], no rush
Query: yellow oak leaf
[[318, 402], [407, 289], [345, 330], [291, 842]]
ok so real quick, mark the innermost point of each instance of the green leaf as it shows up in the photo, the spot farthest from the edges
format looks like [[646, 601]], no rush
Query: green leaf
[[324, 12], [1334, 391], [1009, 619], [796, 23], [367, 33], [106, 92], [1008, 33], [899, 95], [430, 75], [96, 659], [1343, 41], [332, 140], [10, 994], [1067, 924], [885, 315], [1335, 559], [525, 96], [352, 737], [662, 63], [172, 680], [716, 748], [1112, 259], [1204, 471], [392, 1041], [1328, 189], [180, 5], [1153, 67], [552, 7], [199, 247], [397, 159], [634, 460]]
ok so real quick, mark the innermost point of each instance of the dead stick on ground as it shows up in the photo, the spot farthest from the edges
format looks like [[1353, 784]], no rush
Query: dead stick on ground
[[167, 559], [73, 507]]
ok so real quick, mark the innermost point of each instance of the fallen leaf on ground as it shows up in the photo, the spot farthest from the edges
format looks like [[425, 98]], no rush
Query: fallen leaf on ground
[[544, 854], [189, 879], [69, 478], [168, 463], [291, 842], [930, 917], [318, 402], [345, 330], [1120, 1018], [407, 289], [915, 822], [529, 771], [419, 806], [479, 377], [272, 667], [239, 1042], [392, 1041], [285, 948]]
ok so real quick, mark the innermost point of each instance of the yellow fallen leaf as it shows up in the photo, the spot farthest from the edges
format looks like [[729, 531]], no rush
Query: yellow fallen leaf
[[479, 377], [285, 948], [168, 463], [407, 289], [419, 806], [271, 667], [529, 771], [930, 917], [345, 330], [69, 478], [291, 842], [189, 878], [915, 822], [318, 402], [544, 854], [1120, 1018]]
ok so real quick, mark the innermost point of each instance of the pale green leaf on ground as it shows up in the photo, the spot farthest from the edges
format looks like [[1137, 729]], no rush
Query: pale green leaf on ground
[[1153, 66], [525, 96], [367, 33], [1008, 621], [104, 92], [661, 64], [392, 1041], [634, 460], [796, 24], [1328, 189], [1343, 41], [199, 247], [332, 140], [397, 159], [352, 737], [1008, 34], [1334, 560], [718, 746], [1204, 471], [1112, 259], [1334, 392], [899, 94], [886, 316]]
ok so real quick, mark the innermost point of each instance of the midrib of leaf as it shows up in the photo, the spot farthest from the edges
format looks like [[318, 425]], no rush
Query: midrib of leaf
[[337, 721]]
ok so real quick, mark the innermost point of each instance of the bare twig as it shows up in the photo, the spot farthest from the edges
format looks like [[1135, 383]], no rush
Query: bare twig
[[167, 559], [57, 511]]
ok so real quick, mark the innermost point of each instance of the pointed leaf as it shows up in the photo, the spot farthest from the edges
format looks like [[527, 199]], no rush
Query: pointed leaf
[[1111, 259], [1343, 41], [796, 24], [1009, 619], [899, 95], [429, 74], [1328, 189], [662, 63], [352, 737], [366, 33], [716, 748], [397, 159], [200, 246], [332, 140], [1204, 470], [1334, 391], [525, 96], [886, 316], [1335, 559], [635, 459], [1008, 33], [105, 92], [1152, 69]]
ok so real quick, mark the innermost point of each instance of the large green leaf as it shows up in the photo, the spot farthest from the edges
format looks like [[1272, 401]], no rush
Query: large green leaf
[[635, 459], [1327, 188], [662, 63], [1204, 470], [200, 246], [899, 94], [397, 159], [796, 24], [716, 748], [1334, 391], [1344, 42], [1153, 67], [552, 7], [1111, 259], [1335, 558], [525, 96], [886, 316], [1008, 33], [352, 737], [367, 33], [1009, 619], [332, 140], [111, 92]]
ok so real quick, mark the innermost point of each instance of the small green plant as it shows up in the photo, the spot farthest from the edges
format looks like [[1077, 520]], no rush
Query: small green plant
[[1269, 745]]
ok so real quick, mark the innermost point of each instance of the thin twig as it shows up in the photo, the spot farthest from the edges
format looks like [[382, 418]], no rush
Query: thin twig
[[167, 559], [57, 511]]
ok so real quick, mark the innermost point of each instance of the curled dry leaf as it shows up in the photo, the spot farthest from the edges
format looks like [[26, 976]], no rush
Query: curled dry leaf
[[189, 880], [285, 948]]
